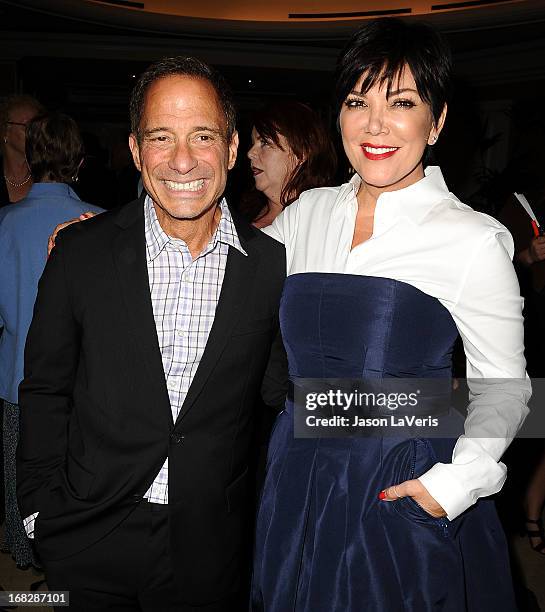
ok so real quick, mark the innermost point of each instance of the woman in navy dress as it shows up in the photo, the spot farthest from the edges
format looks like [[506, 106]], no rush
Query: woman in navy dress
[[384, 272]]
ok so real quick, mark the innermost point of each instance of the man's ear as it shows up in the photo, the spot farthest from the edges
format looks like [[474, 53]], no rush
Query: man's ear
[[233, 148], [135, 150]]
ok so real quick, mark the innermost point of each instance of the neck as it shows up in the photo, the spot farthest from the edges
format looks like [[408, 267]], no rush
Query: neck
[[196, 233], [367, 199], [15, 167], [274, 206], [369, 194], [274, 209]]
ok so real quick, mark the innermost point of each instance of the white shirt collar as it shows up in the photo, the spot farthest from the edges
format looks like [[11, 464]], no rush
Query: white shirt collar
[[413, 202], [157, 239]]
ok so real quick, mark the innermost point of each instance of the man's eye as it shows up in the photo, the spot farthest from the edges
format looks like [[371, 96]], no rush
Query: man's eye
[[204, 138], [159, 139]]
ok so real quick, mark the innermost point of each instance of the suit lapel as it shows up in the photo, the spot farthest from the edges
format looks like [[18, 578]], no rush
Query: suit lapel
[[129, 252], [238, 280]]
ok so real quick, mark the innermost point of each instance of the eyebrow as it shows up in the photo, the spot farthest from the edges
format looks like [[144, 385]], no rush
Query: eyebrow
[[197, 128], [400, 91], [392, 93]]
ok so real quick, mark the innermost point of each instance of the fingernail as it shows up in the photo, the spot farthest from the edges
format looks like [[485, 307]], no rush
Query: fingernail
[[382, 495]]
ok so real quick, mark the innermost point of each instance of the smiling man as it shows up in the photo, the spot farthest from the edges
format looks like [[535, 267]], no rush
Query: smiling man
[[155, 330]]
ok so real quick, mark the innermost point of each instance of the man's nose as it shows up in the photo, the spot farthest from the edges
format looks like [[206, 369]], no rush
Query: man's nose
[[183, 159]]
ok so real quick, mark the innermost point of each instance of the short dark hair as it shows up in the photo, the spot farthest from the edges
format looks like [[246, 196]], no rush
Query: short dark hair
[[383, 47], [181, 66], [308, 138], [54, 148]]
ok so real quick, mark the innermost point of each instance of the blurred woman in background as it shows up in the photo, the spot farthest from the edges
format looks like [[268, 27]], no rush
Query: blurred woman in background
[[291, 152], [15, 179], [54, 152]]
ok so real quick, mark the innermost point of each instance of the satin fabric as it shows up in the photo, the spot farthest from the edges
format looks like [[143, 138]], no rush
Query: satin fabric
[[324, 541]]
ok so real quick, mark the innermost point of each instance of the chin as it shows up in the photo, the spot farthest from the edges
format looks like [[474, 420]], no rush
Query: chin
[[187, 213], [384, 180], [259, 186]]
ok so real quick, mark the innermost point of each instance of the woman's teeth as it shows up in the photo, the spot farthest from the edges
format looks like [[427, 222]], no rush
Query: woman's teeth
[[380, 150]]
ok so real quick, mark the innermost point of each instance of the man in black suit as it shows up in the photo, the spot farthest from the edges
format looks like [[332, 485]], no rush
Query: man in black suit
[[155, 330]]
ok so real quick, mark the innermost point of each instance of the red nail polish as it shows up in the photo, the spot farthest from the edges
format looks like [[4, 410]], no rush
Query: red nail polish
[[382, 495]]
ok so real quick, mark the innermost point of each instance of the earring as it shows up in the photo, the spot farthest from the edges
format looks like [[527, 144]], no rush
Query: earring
[[433, 140]]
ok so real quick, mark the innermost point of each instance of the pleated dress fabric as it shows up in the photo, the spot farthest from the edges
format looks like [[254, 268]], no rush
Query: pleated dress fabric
[[324, 541]]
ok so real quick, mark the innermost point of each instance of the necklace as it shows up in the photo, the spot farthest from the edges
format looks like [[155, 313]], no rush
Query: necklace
[[15, 184]]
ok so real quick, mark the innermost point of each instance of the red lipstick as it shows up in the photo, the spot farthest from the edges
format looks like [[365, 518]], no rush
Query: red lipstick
[[377, 156]]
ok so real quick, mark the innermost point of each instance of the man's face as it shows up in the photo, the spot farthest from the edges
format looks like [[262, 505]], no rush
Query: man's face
[[183, 152]]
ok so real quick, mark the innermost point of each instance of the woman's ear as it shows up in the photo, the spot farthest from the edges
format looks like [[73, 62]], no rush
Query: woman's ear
[[437, 127]]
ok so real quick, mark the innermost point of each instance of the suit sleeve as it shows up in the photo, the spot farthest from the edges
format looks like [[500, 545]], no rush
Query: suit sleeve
[[275, 381], [45, 395]]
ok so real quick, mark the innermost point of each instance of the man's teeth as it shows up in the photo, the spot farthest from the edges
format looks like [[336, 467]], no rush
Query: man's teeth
[[380, 150], [191, 186]]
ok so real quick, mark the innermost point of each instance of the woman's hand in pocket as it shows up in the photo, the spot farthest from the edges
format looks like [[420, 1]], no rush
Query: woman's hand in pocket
[[419, 493]]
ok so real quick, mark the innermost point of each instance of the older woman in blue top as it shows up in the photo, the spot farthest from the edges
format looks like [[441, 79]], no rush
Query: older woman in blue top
[[54, 154]]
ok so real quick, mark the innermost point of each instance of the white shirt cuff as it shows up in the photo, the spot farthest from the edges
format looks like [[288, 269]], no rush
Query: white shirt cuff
[[28, 524], [457, 486]]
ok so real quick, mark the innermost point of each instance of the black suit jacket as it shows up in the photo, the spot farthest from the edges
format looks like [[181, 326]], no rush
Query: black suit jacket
[[96, 422]]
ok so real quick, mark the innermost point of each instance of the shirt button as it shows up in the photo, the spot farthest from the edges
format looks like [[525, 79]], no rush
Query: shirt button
[[179, 333], [176, 438], [172, 387]]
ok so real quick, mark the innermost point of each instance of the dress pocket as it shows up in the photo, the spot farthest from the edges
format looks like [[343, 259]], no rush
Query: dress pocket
[[417, 459]]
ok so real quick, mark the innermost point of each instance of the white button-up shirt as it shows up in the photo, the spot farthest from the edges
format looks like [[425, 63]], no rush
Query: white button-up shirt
[[184, 296], [424, 236]]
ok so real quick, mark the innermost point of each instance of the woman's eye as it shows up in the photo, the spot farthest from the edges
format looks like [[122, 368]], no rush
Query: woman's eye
[[404, 103], [354, 103]]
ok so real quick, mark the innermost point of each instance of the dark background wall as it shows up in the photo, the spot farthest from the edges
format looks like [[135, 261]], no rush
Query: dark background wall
[[85, 63]]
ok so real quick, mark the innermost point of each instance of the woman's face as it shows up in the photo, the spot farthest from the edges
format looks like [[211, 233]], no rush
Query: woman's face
[[384, 137], [272, 166], [18, 119]]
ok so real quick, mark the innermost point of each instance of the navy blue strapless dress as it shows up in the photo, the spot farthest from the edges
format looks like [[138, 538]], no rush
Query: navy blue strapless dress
[[324, 541]]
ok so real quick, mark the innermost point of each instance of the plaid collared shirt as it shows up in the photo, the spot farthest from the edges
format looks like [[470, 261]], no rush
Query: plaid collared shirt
[[184, 296]]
